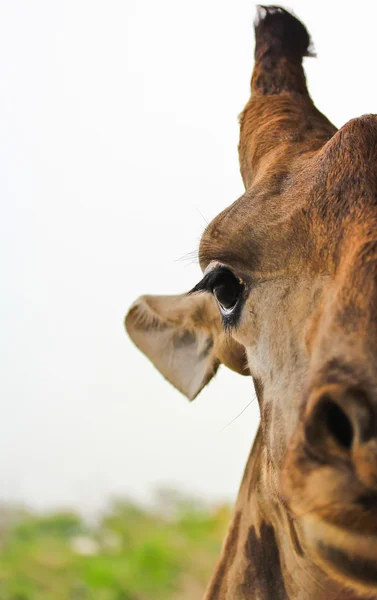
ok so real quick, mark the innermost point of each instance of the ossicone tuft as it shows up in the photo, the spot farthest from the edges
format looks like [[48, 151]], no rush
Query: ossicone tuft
[[280, 33]]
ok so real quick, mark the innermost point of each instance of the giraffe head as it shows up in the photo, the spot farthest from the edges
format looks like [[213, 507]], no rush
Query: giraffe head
[[289, 296]]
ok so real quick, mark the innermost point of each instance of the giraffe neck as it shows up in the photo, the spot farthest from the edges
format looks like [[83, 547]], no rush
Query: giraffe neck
[[262, 557]]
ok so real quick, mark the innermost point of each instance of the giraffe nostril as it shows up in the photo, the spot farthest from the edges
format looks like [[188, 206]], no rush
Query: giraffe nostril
[[338, 424], [330, 424], [340, 420]]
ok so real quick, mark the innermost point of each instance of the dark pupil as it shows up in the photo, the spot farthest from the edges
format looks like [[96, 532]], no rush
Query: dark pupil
[[227, 290]]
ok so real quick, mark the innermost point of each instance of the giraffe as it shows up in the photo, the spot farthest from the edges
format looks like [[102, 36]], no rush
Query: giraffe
[[288, 296]]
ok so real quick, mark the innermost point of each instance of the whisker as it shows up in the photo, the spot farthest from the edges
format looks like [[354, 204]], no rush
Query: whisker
[[242, 411], [201, 214], [190, 256]]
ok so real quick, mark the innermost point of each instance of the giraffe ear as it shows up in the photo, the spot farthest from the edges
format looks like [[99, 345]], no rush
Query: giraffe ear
[[184, 339]]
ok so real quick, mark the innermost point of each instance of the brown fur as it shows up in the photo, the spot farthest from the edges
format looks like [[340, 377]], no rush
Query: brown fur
[[219, 587]]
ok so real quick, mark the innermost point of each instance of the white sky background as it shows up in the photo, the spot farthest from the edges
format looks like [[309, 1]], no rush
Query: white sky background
[[118, 131]]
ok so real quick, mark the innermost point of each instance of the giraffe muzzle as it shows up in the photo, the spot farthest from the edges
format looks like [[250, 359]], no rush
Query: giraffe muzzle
[[329, 482]]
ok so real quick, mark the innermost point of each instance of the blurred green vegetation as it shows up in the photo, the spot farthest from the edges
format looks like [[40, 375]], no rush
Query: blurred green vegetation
[[131, 553]]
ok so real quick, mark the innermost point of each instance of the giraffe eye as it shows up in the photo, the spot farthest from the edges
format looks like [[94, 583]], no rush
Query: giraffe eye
[[227, 290]]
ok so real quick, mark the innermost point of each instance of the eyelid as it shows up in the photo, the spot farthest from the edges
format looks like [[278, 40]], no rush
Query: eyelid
[[208, 281], [214, 264]]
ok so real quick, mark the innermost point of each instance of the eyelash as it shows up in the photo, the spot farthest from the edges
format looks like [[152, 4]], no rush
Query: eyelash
[[212, 280]]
